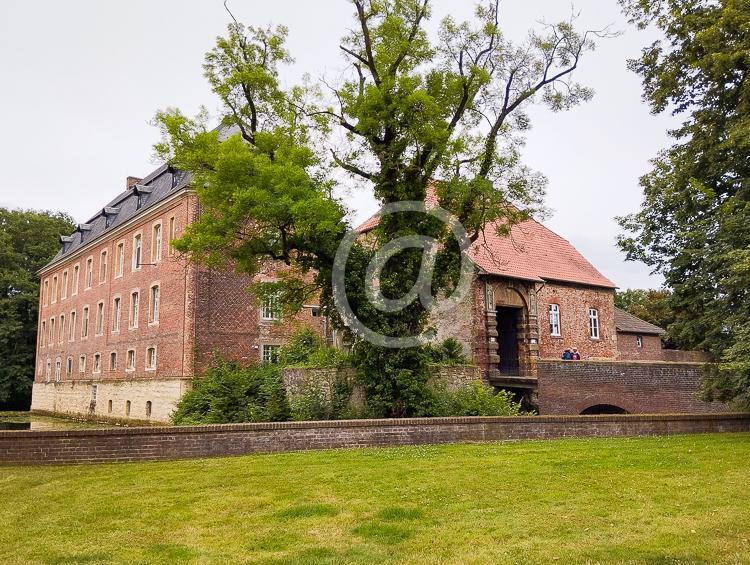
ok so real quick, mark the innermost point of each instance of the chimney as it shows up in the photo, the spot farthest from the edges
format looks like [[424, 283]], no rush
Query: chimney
[[130, 182]]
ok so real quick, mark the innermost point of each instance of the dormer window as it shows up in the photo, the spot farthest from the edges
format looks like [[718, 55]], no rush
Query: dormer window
[[141, 192], [110, 214]]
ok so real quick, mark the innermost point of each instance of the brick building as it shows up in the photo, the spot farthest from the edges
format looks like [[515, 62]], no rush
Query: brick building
[[125, 322]]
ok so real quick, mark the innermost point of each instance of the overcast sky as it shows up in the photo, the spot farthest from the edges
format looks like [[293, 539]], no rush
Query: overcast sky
[[81, 81]]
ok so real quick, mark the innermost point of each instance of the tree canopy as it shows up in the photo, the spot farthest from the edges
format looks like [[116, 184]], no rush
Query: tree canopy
[[28, 240], [410, 109], [694, 225]]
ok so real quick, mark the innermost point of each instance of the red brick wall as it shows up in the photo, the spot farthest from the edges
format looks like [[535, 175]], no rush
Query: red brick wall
[[172, 336], [627, 347], [143, 444], [569, 387], [574, 302], [228, 319]]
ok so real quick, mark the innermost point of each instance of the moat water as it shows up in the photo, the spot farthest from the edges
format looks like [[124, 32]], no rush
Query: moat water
[[28, 421]]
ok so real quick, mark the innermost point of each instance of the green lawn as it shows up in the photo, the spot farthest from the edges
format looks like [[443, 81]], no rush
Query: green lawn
[[655, 500]]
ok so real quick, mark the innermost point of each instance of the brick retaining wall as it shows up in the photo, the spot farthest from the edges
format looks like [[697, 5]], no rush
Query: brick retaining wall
[[143, 444], [644, 387]]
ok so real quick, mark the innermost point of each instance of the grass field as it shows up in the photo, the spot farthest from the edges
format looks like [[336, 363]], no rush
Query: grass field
[[653, 500]]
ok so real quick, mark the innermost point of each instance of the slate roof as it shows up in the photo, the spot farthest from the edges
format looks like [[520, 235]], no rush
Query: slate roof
[[531, 252], [154, 188], [627, 323]]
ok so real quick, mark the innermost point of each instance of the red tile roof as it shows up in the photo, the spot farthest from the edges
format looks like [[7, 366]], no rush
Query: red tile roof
[[530, 252]]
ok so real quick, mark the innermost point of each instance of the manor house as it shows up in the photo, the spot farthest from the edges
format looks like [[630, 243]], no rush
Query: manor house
[[125, 322]]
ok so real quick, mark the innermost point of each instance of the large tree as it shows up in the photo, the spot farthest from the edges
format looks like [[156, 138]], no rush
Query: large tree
[[652, 305], [28, 240], [410, 109], [694, 225]]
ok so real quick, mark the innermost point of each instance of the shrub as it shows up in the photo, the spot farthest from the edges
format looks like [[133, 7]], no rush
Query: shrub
[[449, 352], [476, 399], [307, 349], [229, 393], [321, 400]]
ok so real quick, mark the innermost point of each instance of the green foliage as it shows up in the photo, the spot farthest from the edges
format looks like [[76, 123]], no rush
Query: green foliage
[[475, 399], [409, 109], [449, 352], [694, 224], [306, 348], [655, 307], [229, 393], [28, 241], [326, 400]]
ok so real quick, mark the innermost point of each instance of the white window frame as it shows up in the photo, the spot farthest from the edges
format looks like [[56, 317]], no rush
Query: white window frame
[[52, 332], [269, 353], [594, 323], [269, 308], [639, 341], [130, 361], [58, 370], [137, 259], [85, 322], [120, 259], [154, 297], [116, 313], [76, 279], [148, 365], [72, 326], [54, 289], [103, 266], [555, 327], [61, 329], [64, 287], [45, 292], [134, 308], [99, 327], [89, 273], [113, 356], [156, 241], [82, 364]]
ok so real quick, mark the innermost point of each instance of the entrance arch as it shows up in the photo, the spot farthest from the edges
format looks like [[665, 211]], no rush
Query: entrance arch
[[603, 409]]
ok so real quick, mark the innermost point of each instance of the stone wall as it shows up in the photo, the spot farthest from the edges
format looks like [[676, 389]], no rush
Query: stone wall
[[651, 350], [74, 398], [639, 387], [142, 444]]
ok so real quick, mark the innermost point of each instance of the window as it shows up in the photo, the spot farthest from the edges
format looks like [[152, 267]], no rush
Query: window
[[151, 358], [127, 407], [54, 289], [69, 367], [153, 305], [270, 308], [639, 341], [554, 319], [72, 326], [51, 332], [315, 311], [58, 370], [594, 323], [100, 318], [148, 409], [94, 391], [170, 235], [89, 272], [113, 361], [120, 266], [97, 362], [48, 373], [156, 244], [116, 313], [64, 290], [85, 323], [270, 353], [103, 267], [131, 360], [137, 252], [45, 294], [43, 337], [82, 364], [61, 332], [76, 276], [109, 406], [134, 300]]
